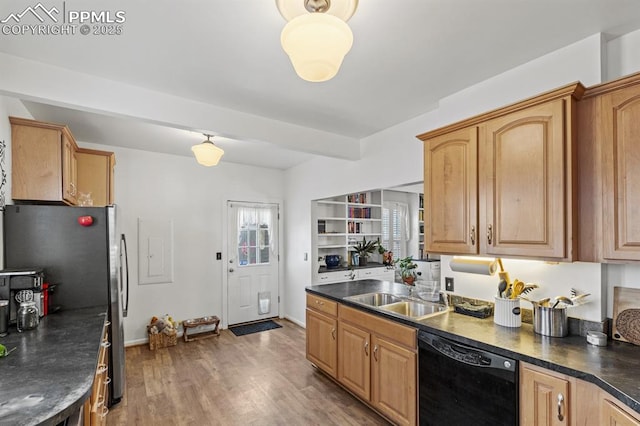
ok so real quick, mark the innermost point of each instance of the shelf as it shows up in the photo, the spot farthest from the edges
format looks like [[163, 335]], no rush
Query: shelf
[[332, 218], [364, 205], [332, 246], [332, 234], [360, 219], [335, 203]]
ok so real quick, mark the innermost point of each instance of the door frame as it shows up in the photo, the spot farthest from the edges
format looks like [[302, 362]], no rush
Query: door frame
[[225, 256]]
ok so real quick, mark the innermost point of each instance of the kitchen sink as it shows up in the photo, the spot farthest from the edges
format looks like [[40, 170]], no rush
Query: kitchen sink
[[402, 305], [415, 310], [374, 299]]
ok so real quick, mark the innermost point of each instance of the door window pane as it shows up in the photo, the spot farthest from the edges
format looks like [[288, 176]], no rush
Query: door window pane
[[254, 235]]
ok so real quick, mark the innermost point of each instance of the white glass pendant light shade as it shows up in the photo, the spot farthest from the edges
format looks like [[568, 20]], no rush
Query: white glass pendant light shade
[[316, 44], [207, 153]]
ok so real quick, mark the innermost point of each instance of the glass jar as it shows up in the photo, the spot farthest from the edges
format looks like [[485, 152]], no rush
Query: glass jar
[[27, 317]]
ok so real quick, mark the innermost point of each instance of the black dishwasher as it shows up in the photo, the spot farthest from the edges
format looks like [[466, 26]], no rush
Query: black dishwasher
[[462, 385]]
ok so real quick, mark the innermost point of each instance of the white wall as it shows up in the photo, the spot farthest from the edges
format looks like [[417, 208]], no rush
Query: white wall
[[622, 55], [394, 157], [158, 186]]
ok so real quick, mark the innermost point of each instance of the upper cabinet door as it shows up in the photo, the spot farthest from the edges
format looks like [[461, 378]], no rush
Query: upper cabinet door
[[451, 192], [620, 133], [523, 182]]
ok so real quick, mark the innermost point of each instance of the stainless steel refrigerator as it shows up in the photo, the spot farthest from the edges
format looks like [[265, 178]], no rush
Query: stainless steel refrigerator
[[86, 264]]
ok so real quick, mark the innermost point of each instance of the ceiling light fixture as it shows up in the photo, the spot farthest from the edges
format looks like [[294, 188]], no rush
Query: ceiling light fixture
[[316, 38], [207, 153]]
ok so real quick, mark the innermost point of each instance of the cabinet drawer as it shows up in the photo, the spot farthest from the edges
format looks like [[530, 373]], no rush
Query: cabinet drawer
[[377, 273], [322, 305], [337, 276], [397, 333]]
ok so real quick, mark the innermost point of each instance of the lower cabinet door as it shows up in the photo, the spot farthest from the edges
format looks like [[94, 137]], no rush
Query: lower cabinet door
[[615, 416], [393, 381], [353, 360], [322, 348], [544, 399]]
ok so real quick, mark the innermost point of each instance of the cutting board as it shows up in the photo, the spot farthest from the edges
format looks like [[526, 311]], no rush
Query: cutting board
[[626, 314]]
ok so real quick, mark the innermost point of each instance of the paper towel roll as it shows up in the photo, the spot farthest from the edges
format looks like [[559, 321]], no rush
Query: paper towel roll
[[474, 266]]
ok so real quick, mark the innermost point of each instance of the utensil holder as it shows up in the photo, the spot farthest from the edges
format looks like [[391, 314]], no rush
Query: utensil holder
[[506, 312], [549, 321]]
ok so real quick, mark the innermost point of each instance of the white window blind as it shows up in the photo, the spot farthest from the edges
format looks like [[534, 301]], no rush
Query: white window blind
[[395, 229]]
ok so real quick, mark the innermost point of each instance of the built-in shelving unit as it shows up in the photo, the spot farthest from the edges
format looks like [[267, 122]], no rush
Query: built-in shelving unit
[[340, 223]]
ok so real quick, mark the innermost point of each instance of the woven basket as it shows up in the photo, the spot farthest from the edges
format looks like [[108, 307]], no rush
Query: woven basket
[[162, 340]]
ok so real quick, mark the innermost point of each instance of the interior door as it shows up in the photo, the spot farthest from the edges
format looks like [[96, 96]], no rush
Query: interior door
[[252, 269]]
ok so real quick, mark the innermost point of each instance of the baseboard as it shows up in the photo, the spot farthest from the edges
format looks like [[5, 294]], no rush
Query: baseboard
[[295, 321]]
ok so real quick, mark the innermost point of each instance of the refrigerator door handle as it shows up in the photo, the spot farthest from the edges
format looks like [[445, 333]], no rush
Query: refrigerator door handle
[[124, 264]]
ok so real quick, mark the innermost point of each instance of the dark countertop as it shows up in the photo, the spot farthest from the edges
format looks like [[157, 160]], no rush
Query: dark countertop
[[614, 368], [50, 374]]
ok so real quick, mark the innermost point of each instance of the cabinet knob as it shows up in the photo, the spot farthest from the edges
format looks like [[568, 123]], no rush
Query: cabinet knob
[[472, 235], [375, 352], [333, 333], [560, 407], [489, 234], [366, 348]]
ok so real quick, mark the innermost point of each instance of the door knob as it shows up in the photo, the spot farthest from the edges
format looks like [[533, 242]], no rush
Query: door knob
[[230, 269]]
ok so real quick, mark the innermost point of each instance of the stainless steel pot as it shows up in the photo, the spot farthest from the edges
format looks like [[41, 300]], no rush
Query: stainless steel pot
[[550, 321]]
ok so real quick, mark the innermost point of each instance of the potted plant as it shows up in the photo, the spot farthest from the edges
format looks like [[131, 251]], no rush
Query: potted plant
[[407, 269], [364, 249]]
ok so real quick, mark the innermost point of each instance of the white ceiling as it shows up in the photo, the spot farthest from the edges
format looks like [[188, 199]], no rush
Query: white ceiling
[[407, 55]]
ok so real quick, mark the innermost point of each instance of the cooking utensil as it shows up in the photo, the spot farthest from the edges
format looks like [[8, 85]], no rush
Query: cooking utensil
[[562, 299], [502, 287], [541, 302], [626, 314], [518, 288], [579, 299]]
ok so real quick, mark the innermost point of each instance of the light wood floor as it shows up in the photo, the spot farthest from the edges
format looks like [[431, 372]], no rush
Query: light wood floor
[[257, 379]]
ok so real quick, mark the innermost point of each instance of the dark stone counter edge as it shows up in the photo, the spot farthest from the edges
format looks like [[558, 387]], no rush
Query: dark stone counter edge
[[369, 265], [586, 376], [61, 416]]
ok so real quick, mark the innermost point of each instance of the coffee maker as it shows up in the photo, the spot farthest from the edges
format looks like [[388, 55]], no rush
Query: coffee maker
[[14, 280]]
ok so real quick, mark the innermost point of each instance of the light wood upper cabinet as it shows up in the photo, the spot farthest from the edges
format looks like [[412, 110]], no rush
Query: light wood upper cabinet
[[48, 166], [451, 192], [95, 175], [523, 159], [523, 183], [609, 160], [43, 164], [620, 133]]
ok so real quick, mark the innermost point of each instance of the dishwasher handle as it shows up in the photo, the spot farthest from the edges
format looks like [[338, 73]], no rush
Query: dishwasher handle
[[466, 354]]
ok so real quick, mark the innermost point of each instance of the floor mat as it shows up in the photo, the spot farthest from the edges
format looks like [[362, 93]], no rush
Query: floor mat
[[256, 327]]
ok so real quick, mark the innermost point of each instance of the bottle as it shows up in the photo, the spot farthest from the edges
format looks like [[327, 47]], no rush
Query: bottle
[[27, 317]]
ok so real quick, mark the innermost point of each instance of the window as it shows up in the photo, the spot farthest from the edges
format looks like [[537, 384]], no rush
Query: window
[[254, 231], [395, 229]]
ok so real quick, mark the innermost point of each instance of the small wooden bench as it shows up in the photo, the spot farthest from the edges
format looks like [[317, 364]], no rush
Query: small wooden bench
[[197, 322]]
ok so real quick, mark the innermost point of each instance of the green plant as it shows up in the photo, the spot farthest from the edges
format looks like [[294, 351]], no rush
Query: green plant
[[366, 248], [407, 268]]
